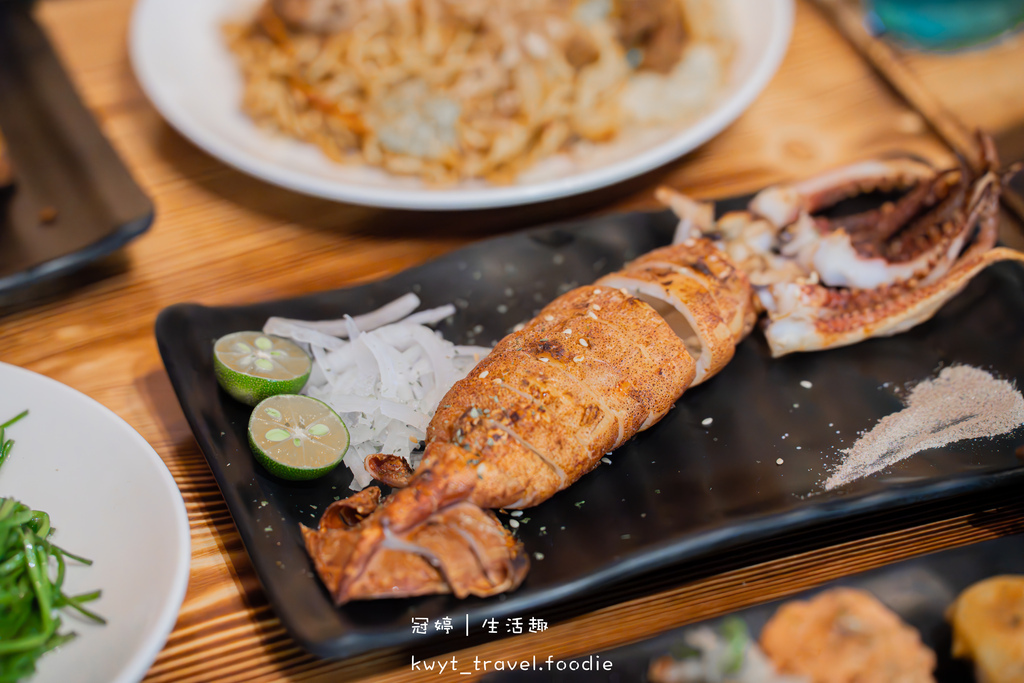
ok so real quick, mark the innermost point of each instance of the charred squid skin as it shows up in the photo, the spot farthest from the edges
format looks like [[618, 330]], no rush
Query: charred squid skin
[[350, 511], [591, 353], [464, 544], [544, 384], [547, 385], [389, 469], [606, 367], [354, 563], [461, 548], [713, 344]]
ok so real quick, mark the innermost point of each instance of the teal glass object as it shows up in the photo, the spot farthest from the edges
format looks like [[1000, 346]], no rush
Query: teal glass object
[[945, 24]]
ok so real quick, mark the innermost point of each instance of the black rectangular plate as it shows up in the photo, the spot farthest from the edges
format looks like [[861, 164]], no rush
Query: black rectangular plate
[[61, 161], [680, 491], [918, 590]]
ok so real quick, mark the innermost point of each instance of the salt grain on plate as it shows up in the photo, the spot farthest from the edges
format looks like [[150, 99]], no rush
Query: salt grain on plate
[[963, 402]]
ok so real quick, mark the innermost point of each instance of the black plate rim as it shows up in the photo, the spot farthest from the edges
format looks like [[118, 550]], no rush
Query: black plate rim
[[37, 82], [119, 237]]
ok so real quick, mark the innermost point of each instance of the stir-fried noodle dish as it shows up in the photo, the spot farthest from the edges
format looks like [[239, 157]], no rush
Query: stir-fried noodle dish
[[451, 90]]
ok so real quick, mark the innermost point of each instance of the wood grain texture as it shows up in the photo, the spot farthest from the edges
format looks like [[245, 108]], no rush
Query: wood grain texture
[[223, 238], [957, 93], [980, 87]]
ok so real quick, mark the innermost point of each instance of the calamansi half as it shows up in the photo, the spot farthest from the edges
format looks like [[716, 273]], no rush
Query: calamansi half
[[297, 437], [252, 366]]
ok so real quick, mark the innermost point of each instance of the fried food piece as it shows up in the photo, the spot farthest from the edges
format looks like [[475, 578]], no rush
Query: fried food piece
[[988, 627], [846, 635]]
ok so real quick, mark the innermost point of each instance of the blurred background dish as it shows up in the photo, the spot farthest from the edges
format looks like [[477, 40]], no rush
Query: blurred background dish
[[182, 60], [919, 591], [67, 200], [944, 24], [112, 500]]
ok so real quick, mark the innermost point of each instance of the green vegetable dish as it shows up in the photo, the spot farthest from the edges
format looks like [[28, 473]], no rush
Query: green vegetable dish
[[31, 577]]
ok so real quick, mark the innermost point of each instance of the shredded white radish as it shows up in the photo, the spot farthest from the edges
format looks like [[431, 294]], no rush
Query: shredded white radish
[[388, 313], [383, 372]]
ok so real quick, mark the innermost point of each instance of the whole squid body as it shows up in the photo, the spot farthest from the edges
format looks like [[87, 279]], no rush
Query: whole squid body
[[603, 362], [595, 367]]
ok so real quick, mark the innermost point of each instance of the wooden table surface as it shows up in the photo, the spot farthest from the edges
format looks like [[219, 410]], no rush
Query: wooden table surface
[[223, 238]]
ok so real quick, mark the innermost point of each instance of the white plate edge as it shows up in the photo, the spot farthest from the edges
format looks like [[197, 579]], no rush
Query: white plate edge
[[139, 664]]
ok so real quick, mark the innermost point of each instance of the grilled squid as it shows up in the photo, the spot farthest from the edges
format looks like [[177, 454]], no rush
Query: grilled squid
[[603, 362], [595, 367]]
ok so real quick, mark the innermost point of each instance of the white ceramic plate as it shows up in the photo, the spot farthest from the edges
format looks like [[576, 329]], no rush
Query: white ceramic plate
[[179, 55], [112, 500]]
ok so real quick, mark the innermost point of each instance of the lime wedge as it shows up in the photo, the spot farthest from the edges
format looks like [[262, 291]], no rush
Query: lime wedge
[[252, 366], [297, 437]]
